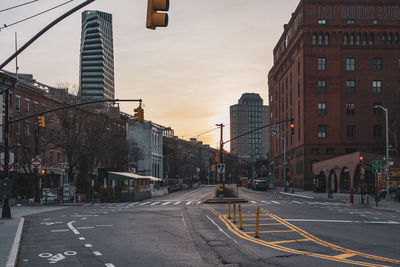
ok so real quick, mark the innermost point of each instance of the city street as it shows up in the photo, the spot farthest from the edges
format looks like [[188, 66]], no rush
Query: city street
[[179, 230]]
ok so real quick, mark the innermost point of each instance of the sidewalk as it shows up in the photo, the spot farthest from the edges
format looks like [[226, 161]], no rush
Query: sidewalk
[[391, 205], [11, 232]]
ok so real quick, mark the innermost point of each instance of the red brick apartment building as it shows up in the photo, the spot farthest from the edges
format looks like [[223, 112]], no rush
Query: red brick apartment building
[[334, 61]]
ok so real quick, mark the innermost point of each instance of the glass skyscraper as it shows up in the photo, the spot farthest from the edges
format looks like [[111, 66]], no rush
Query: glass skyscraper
[[97, 56]]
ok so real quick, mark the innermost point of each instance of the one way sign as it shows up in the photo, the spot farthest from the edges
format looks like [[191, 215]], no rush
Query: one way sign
[[221, 168]]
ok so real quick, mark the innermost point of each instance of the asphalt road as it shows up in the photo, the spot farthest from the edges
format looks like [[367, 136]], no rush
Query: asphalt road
[[179, 230]]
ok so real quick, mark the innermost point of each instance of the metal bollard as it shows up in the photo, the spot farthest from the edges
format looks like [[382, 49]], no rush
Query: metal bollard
[[257, 221], [240, 218], [229, 208], [234, 211]]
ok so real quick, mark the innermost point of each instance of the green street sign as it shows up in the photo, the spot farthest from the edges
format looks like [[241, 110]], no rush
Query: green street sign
[[376, 166]]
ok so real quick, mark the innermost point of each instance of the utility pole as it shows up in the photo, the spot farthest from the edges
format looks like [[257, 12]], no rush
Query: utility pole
[[387, 158], [221, 150]]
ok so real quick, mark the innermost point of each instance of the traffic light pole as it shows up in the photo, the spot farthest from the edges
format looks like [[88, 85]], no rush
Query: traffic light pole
[[221, 150]]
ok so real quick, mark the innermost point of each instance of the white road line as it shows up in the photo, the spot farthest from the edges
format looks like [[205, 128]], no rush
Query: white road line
[[155, 203], [97, 253], [264, 202], [60, 230], [297, 202], [84, 218], [84, 227], [190, 192], [188, 203], [133, 204], [166, 203], [198, 202], [144, 203], [177, 203], [220, 229], [363, 215], [88, 245], [104, 225], [109, 265], [341, 221], [376, 218], [295, 195], [253, 202], [72, 227], [273, 201], [12, 257], [82, 238]]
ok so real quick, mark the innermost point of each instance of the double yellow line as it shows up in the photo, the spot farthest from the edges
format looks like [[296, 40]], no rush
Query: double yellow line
[[347, 253]]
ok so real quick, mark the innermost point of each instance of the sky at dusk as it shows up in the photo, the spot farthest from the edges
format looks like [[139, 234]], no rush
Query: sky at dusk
[[187, 74]]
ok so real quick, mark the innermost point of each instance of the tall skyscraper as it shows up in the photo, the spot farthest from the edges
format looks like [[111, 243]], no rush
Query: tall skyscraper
[[249, 114], [97, 56]]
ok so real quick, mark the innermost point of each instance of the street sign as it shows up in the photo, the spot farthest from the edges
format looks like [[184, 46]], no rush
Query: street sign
[[275, 132], [36, 163], [221, 168], [376, 166]]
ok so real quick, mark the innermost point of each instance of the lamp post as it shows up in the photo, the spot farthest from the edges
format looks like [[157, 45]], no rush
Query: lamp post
[[387, 152]]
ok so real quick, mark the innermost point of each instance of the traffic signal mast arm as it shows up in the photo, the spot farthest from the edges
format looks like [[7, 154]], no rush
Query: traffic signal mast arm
[[74, 105], [262, 127]]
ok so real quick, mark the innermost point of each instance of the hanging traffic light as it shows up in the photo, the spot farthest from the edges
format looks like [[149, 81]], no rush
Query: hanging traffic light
[[155, 18], [292, 127], [362, 169], [43, 171], [361, 161], [139, 114], [41, 121]]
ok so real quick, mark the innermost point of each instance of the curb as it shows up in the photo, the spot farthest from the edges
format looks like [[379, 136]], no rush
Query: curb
[[12, 258]]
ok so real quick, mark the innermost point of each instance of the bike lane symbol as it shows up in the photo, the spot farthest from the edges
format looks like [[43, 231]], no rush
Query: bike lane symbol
[[57, 257]]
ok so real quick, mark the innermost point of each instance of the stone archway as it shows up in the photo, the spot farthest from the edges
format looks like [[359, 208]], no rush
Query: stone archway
[[332, 181], [345, 180]]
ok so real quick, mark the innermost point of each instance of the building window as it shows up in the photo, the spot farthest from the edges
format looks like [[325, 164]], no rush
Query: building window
[[350, 86], [330, 151], [352, 39], [314, 39], [27, 102], [321, 86], [377, 63], [371, 39], [350, 63], [351, 131], [351, 21], [17, 103], [390, 39], [377, 131], [18, 128], [365, 37], [350, 109], [27, 130], [396, 39], [358, 39], [51, 160], [377, 86], [322, 131], [322, 21], [327, 39], [383, 39], [322, 108], [314, 151], [377, 22], [320, 39], [36, 107], [321, 63], [346, 39]]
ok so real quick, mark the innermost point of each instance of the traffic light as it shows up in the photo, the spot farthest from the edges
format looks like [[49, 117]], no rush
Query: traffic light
[[362, 169], [139, 114], [43, 171], [361, 161], [41, 121], [155, 18], [292, 127]]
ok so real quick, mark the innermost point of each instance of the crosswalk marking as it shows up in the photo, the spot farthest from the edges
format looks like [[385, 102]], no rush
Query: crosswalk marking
[[188, 203], [177, 203], [144, 203], [253, 202], [273, 201], [198, 202], [166, 203], [155, 203]]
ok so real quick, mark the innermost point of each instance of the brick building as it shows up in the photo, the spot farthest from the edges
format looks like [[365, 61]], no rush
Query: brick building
[[333, 63]]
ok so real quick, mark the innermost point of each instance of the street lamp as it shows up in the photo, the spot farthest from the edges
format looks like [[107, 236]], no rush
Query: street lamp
[[387, 152]]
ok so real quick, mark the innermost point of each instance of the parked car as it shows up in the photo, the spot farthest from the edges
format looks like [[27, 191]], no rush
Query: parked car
[[249, 185], [260, 185]]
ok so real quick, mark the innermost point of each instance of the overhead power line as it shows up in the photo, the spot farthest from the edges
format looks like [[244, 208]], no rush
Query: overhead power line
[[38, 14], [196, 136], [24, 4]]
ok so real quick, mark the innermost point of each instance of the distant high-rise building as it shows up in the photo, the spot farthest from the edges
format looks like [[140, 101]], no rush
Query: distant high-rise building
[[97, 56], [249, 114]]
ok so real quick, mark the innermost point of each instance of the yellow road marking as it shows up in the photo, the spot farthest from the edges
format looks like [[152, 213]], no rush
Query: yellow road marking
[[253, 219], [231, 227], [262, 224], [290, 241], [267, 232], [344, 256]]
